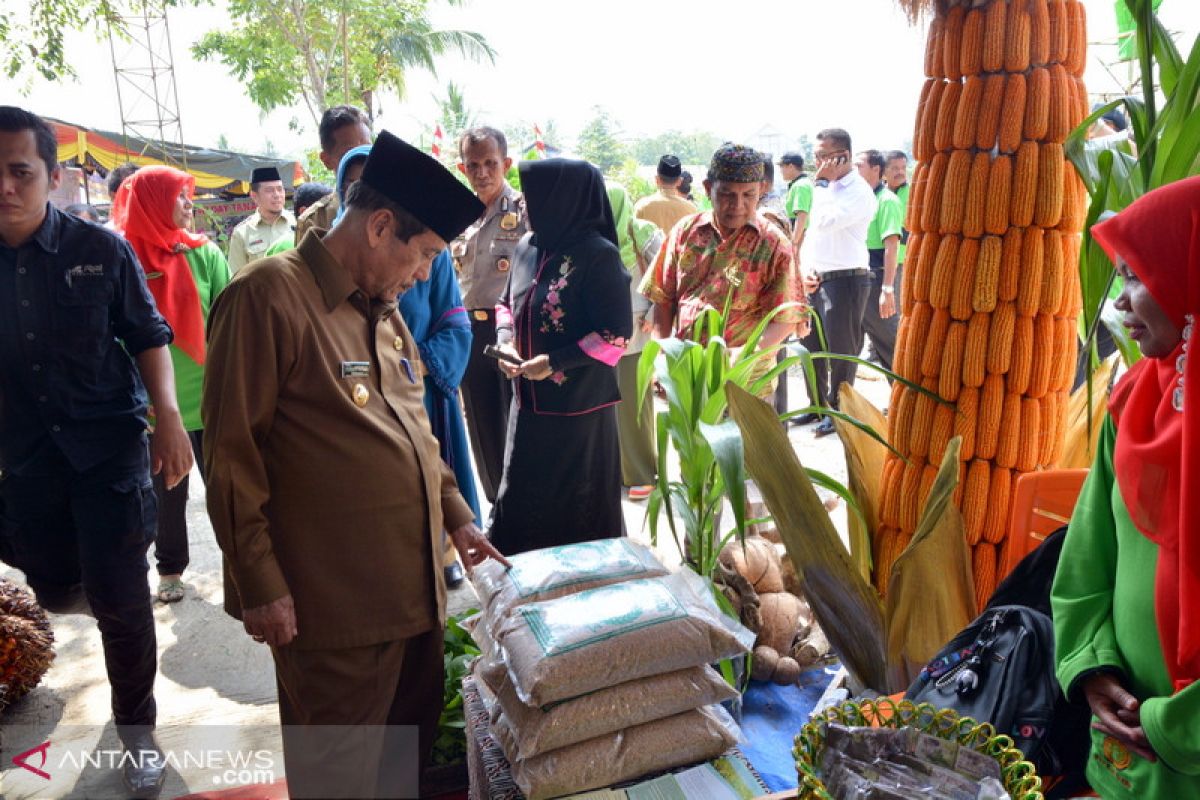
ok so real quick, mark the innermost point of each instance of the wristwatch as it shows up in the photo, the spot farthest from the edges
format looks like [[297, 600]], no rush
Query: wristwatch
[[822, 182], [888, 289]]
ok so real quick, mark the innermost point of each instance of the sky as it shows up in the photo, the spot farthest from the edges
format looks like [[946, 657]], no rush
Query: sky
[[741, 72]]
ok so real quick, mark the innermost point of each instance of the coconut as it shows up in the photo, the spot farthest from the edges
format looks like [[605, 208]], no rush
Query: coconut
[[26, 642], [765, 659], [781, 615], [787, 671], [757, 562]]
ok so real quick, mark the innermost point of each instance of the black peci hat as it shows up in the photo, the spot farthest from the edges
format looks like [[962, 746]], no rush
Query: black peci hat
[[420, 185], [669, 167], [264, 174]]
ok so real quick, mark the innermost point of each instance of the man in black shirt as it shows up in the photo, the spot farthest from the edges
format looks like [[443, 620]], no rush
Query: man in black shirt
[[75, 459]]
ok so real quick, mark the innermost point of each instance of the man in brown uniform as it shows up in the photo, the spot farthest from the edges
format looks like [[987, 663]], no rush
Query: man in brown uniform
[[327, 493], [482, 257], [666, 206], [342, 128]]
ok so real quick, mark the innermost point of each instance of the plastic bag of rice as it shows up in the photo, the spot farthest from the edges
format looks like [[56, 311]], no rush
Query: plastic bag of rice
[[537, 730], [564, 648], [687, 738], [559, 571]]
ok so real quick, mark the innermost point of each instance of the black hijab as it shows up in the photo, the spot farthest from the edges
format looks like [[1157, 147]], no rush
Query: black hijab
[[567, 202]]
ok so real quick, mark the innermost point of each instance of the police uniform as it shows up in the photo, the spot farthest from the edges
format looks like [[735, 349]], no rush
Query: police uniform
[[253, 235], [483, 257]]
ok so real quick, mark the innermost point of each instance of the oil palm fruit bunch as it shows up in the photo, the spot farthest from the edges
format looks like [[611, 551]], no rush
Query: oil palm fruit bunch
[[26, 642], [990, 294]]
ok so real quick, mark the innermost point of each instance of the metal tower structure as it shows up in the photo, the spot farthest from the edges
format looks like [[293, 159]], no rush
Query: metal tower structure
[[144, 68]]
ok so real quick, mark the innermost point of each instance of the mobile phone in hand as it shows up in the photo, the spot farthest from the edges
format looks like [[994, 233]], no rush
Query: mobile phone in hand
[[491, 351]]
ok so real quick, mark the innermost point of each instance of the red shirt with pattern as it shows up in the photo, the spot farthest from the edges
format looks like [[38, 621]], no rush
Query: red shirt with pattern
[[697, 268]]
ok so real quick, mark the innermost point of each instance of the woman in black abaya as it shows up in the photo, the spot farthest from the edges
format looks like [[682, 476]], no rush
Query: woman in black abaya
[[566, 315]]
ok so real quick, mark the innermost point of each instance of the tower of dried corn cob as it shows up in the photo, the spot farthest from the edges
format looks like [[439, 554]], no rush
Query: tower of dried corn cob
[[990, 292]]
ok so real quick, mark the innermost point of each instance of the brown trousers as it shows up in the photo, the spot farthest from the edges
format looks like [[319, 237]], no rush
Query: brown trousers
[[351, 716]]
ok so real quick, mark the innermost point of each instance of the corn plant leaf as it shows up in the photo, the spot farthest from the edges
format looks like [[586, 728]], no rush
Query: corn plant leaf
[[865, 457], [931, 591], [1084, 418], [845, 605], [725, 441]]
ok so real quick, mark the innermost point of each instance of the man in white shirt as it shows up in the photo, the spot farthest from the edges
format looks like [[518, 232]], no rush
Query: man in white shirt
[[835, 254]]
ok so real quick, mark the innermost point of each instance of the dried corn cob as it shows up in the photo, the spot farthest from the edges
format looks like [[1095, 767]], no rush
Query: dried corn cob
[[1037, 104], [995, 524], [963, 289], [1020, 367], [931, 361], [966, 421], [931, 213], [1010, 265], [1029, 293], [943, 134], [999, 355], [1039, 33], [1076, 55], [987, 275], [933, 48], [991, 406], [996, 210], [975, 349], [984, 565], [910, 510], [941, 433], [950, 377], [995, 36], [1048, 432], [1061, 105], [954, 193], [1054, 280], [1017, 41], [952, 40], [1060, 30], [1010, 431], [990, 108], [1024, 187], [1031, 425], [1042, 371], [1012, 115], [927, 109], [1048, 206], [970, 60], [966, 118], [975, 499], [977, 187]]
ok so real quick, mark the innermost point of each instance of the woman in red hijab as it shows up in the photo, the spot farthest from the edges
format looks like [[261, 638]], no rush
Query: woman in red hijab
[[1127, 594], [185, 272]]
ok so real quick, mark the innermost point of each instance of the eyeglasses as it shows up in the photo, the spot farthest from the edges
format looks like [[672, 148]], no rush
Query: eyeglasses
[[830, 154]]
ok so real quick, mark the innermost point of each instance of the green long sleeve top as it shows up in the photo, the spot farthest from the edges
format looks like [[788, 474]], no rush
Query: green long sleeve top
[[211, 273], [1103, 601]]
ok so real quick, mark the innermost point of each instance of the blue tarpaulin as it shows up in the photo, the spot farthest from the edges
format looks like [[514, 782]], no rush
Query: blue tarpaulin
[[771, 717]]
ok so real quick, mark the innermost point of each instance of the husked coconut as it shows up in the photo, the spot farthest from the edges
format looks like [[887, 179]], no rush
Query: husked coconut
[[781, 618], [787, 671], [765, 659], [756, 561]]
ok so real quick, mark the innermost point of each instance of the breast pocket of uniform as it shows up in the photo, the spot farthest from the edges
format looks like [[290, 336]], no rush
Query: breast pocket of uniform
[[83, 317]]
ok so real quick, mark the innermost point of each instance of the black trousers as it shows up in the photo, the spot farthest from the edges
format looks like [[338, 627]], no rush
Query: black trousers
[[840, 303], [487, 395], [171, 543], [93, 528], [882, 332]]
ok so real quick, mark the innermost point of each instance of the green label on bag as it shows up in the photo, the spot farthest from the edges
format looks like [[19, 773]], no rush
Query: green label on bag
[[597, 615], [558, 567]]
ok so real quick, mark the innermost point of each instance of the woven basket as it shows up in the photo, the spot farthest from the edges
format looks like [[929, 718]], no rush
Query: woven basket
[[1018, 775]]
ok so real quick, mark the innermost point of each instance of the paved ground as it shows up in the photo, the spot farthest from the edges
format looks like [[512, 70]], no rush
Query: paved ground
[[210, 672]]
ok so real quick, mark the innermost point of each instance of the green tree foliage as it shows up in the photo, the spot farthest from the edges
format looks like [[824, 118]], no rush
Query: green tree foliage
[[691, 148], [33, 34], [598, 142], [454, 114], [326, 52]]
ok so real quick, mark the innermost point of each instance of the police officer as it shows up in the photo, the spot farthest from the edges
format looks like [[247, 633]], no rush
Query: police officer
[[75, 460], [483, 256], [268, 224]]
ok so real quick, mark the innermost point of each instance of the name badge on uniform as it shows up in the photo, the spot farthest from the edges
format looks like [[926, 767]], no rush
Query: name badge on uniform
[[509, 221], [502, 264], [480, 315], [356, 369]]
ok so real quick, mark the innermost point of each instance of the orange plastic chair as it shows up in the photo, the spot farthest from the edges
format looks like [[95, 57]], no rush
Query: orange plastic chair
[[1042, 503]]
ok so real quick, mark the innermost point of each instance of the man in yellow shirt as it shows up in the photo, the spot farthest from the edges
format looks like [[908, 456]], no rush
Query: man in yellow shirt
[[666, 206]]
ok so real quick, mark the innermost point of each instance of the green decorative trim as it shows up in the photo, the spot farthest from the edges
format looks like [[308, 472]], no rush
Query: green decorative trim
[[1020, 778]]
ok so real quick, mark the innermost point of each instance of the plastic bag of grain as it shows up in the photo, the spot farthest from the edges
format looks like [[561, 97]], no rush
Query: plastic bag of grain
[[538, 730], [559, 571], [567, 647], [693, 736]]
